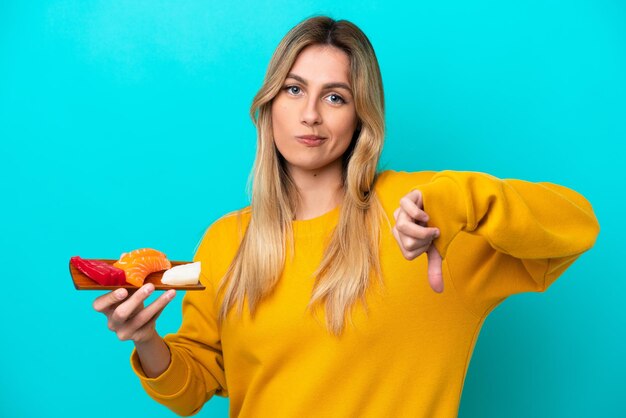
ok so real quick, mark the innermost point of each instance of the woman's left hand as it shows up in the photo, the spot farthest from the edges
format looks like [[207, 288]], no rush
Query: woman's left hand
[[415, 238]]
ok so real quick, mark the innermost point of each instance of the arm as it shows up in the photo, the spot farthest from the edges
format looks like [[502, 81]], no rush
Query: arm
[[526, 220], [500, 237], [154, 355], [196, 368]]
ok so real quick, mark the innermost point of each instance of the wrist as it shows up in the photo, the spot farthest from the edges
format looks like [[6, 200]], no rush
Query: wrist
[[147, 340], [153, 355]]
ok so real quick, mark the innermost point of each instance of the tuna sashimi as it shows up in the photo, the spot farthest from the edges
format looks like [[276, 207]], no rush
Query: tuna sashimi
[[103, 273]]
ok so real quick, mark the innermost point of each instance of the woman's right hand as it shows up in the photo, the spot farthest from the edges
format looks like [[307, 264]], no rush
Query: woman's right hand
[[130, 320], [127, 317]]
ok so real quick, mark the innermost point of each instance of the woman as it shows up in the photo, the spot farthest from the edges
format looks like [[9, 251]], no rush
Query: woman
[[337, 315]]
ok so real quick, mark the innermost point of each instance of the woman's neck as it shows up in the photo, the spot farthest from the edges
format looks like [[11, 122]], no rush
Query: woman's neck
[[320, 191]]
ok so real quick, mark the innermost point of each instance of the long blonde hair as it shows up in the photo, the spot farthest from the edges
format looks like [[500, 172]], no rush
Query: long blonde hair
[[351, 256]]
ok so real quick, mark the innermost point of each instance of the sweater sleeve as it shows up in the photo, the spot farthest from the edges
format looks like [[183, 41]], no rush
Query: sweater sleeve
[[500, 237], [196, 371]]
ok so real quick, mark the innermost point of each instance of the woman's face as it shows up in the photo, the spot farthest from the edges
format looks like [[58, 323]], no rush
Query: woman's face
[[313, 116]]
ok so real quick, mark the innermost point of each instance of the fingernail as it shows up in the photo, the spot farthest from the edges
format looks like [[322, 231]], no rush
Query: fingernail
[[171, 294], [437, 234], [149, 288], [119, 293]]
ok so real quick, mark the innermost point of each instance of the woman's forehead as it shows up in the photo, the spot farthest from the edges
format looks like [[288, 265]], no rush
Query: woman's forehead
[[322, 64]]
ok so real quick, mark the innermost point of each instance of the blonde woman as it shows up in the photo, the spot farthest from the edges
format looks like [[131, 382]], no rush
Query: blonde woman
[[340, 291]]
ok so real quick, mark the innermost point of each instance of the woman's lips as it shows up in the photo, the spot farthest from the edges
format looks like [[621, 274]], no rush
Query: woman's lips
[[311, 140]]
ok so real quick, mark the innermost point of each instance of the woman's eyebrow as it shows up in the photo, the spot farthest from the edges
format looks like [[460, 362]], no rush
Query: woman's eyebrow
[[326, 86]]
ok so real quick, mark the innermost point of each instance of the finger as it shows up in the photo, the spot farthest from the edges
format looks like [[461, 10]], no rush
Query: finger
[[416, 212], [408, 254], [408, 228], [135, 311], [409, 246], [148, 328], [123, 312], [108, 300], [136, 327], [396, 235], [435, 275], [138, 308], [416, 231], [411, 255], [416, 197], [153, 310]]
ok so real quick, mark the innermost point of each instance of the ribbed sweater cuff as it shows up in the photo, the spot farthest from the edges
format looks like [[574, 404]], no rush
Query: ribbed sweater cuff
[[170, 382]]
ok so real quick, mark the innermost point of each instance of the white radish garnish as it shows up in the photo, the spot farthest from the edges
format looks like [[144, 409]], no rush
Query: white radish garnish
[[182, 275]]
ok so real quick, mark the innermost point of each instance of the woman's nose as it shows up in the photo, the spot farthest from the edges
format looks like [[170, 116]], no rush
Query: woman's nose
[[310, 114]]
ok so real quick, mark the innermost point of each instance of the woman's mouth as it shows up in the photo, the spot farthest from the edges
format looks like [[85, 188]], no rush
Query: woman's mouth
[[310, 140]]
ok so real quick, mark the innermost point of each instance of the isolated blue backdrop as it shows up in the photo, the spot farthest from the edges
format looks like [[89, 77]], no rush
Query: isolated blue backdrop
[[124, 124]]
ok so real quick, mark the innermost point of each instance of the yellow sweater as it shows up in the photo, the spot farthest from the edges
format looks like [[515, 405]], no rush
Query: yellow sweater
[[408, 354]]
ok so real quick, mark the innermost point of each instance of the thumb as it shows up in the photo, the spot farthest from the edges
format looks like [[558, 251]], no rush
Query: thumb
[[435, 275]]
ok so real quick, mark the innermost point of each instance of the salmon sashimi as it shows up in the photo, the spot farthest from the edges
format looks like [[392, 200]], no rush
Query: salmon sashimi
[[141, 252], [138, 264]]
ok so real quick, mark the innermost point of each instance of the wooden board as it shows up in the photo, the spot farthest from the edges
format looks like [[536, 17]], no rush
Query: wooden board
[[82, 282]]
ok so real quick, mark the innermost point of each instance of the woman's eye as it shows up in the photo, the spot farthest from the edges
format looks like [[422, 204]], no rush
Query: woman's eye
[[295, 90], [336, 99]]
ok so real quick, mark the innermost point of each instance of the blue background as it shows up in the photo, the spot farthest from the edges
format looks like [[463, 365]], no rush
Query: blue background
[[124, 124]]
